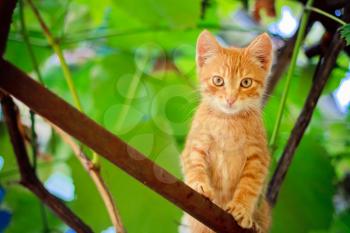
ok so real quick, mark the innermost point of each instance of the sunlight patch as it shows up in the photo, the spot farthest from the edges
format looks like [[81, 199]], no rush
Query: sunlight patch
[[109, 230], [61, 186], [1, 162], [288, 24], [342, 95]]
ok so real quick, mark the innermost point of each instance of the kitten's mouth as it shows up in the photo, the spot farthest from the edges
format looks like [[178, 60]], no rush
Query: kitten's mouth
[[229, 109], [224, 107], [230, 106]]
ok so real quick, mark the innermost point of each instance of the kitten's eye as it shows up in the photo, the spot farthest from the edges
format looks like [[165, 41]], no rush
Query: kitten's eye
[[218, 81], [246, 82]]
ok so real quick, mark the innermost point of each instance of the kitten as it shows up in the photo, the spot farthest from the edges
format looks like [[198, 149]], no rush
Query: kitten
[[226, 156]]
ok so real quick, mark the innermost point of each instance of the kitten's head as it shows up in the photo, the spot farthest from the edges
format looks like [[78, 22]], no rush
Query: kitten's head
[[233, 79]]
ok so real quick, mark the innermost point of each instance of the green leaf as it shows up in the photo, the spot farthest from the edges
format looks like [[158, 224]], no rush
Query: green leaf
[[305, 201], [345, 32]]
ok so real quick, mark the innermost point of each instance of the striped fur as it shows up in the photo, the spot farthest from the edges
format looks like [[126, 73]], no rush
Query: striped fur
[[226, 156]]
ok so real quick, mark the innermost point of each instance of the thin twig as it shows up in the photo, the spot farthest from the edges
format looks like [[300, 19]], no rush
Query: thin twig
[[33, 139], [25, 36], [34, 145], [34, 41], [95, 175], [326, 14], [43, 214], [109, 33], [28, 177], [90, 34], [56, 47]]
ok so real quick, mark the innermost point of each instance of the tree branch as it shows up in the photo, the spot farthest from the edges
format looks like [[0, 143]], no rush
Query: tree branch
[[325, 66], [95, 174], [57, 111], [6, 9], [28, 177]]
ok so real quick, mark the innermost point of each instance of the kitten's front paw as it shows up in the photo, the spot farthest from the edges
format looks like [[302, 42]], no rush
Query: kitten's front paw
[[243, 217], [257, 228], [203, 189]]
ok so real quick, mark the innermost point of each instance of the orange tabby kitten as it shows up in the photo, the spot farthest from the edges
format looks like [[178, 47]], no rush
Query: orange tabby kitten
[[226, 156]]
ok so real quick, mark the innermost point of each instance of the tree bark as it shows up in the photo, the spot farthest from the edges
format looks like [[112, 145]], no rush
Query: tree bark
[[28, 176], [6, 9], [321, 76]]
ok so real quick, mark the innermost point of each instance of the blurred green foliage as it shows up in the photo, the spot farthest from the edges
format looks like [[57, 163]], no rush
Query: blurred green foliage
[[133, 65]]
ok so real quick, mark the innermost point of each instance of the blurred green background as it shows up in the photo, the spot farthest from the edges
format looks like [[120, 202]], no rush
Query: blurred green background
[[133, 64]]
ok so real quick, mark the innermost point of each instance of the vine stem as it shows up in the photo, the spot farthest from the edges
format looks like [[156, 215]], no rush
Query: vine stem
[[57, 49], [92, 166], [326, 14], [34, 144], [66, 71], [27, 42], [291, 69], [131, 94]]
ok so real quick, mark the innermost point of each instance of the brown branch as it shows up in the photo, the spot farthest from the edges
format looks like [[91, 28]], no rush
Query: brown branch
[[321, 76], [28, 177], [95, 174], [57, 111], [6, 9]]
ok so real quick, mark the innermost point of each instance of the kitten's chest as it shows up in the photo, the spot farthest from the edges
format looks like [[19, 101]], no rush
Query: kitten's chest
[[227, 155], [228, 138], [228, 152]]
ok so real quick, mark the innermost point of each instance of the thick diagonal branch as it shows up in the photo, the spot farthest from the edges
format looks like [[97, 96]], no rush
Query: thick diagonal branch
[[78, 125], [28, 177]]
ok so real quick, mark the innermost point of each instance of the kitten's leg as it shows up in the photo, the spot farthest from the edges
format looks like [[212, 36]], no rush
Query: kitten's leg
[[195, 167], [250, 187]]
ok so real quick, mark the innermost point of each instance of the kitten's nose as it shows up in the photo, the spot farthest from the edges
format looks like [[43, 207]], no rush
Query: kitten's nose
[[230, 101]]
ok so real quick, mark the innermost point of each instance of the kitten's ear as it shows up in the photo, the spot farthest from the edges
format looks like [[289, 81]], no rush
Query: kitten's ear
[[207, 47], [261, 49]]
